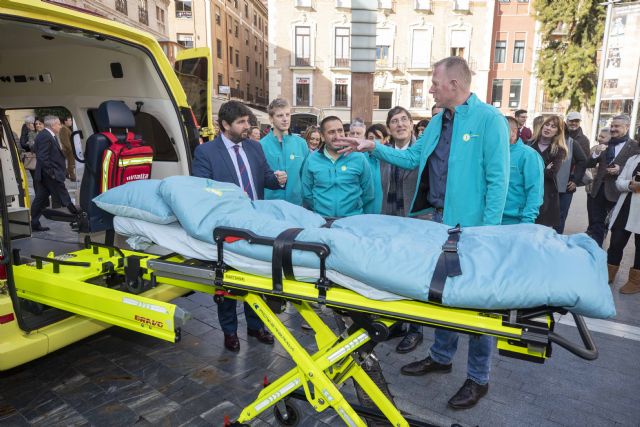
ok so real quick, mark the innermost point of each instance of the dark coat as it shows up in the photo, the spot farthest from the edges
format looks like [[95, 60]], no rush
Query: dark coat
[[630, 148], [212, 160], [50, 160], [580, 138], [550, 210], [409, 180]]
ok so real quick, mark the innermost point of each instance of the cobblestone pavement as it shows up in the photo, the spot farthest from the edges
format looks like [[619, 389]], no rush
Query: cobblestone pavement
[[120, 378]]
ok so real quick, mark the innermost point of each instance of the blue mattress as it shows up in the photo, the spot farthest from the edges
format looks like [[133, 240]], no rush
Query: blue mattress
[[503, 267]]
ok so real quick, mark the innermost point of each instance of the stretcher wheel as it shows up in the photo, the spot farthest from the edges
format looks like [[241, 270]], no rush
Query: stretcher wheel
[[293, 414]]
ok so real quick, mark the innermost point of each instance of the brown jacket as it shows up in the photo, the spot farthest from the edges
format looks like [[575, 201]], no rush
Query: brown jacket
[[630, 148], [65, 142]]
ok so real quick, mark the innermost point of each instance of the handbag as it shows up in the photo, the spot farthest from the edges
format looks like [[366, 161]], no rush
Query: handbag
[[29, 160]]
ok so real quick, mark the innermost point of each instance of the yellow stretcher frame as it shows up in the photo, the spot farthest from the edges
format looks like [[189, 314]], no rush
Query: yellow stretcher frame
[[526, 334]]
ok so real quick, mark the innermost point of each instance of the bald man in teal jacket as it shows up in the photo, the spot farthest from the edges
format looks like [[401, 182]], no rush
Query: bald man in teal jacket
[[464, 155]]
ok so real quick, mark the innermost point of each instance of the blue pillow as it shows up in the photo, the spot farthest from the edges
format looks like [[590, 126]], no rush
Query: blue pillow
[[137, 199]]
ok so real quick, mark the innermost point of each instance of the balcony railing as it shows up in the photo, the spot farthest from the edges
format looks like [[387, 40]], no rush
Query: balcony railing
[[417, 102], [236, 93], [121, 6], [550, 107], [303, 62], [343, 62], [189, 14], [143, 16], [260, 100]]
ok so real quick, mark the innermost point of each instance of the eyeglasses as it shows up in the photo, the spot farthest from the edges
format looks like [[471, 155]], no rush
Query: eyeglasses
[[403, 119]]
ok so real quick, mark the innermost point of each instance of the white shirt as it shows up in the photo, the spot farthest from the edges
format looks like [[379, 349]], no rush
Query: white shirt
[[55, 137], [232, 153]]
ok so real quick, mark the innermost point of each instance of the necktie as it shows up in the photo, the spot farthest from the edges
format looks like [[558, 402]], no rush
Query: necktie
[[58, 141], [244, 174]]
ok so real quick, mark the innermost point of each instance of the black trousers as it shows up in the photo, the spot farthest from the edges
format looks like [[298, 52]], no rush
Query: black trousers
[[46, 187], [597, 210], [619, 239]]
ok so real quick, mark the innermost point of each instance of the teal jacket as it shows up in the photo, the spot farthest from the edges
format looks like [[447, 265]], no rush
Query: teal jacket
[[478, 175], [526, 185], [375, 205], [340, 188], [288, 156]]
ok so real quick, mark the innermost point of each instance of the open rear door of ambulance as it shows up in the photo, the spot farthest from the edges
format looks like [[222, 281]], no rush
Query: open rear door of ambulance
[[194, 69]]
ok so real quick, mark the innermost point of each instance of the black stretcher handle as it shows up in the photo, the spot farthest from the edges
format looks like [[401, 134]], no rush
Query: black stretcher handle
[[220, 233], [88, 244], [57, 263], [589, 351]]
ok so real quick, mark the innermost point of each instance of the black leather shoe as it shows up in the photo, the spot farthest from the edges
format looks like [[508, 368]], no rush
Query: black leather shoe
[[409, 342], [39, 228], [424, 366], [468, 395], [231, 342], [261, 334]]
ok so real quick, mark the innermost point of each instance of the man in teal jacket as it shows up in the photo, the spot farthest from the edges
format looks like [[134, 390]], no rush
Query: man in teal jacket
[[334, 185], [463, 154], [284, 152], [526, 181]]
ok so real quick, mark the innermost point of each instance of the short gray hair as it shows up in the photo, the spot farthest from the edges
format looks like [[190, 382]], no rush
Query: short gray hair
[[623, 118], [357, 123], [605, 130], [456, 67], [29, 120], [49, 121], [277, 104]]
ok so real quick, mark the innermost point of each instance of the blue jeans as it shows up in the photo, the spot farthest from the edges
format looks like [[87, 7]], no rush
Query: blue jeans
[[446, 343], [229, 318], [478, 357], [565, 204]]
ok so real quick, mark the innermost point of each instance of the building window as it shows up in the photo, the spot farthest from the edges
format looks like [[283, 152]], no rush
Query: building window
[[255, 43], [496, 93], [342, 47], [236, 32], [246, 10], [518, 52], [219, 48], [515, 87], [382, 56], [500, 54], [185, 40], [461, 5], [246, 37], [303, 43], [255, 19], [183, 9], [417, 94], [218, 16], [230, 24], [341, 93], [121, 6], [219, 80], [248, 64], [237, 58], [303, 91], [160, 18], [255, 69], [420, 49], [383, 45], [260, 70], [248, 91], [382, 100], [230, 57], [459, 42], [143, 12]]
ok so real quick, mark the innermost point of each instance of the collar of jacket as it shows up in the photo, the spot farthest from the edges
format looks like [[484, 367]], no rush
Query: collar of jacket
[[471, 102]]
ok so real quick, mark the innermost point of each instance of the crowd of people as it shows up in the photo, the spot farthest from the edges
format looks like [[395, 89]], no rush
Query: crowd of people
[[47, 153], [468, 165]]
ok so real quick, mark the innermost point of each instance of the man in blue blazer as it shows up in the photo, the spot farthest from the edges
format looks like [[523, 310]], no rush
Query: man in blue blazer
[[232, 157], [50, 172]]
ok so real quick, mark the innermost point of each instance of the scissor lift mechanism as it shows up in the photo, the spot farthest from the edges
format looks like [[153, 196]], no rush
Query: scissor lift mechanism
[[108, 284]]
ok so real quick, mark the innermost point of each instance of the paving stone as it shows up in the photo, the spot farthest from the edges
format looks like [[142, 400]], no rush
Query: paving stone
[[112, 414]]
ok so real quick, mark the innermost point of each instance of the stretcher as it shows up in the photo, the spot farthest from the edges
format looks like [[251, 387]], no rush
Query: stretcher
[[113, 286]]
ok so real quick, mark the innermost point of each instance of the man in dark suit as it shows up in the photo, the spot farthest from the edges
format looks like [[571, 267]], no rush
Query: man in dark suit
[[609, 159], [231, 157], [50, 172]]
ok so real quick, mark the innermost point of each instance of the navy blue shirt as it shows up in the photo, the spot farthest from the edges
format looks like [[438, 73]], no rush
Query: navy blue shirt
[[438, 163]]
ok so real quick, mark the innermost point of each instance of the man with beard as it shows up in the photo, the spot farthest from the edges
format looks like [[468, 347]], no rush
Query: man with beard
[[230, 157]]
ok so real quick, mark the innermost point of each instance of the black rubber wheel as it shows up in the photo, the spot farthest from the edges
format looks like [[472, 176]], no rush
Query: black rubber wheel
[[293, 414]]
